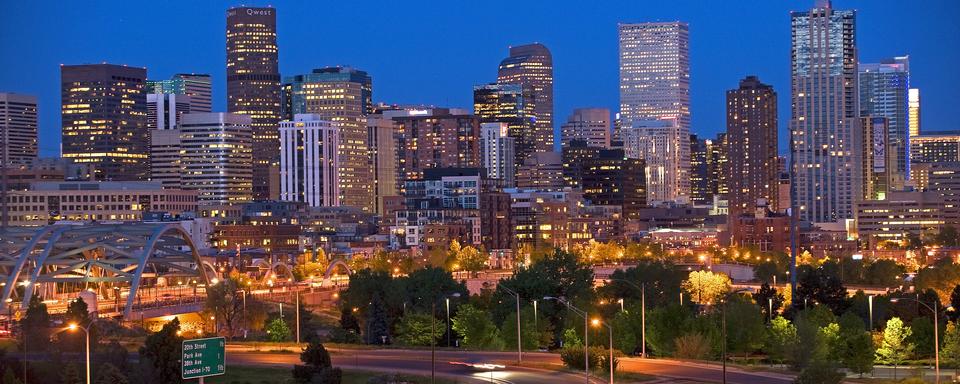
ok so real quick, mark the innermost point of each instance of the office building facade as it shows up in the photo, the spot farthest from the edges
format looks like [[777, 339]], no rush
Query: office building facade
[[253, 85], [341, 95], [884, 92], [589, 124], [104, 119], [198, 87], [434, 138], [164, 110], [309, 164], [825, 119], [217, 159], [532, 64], [18, 129], [382, 145], [665, 148], [655, 73], [512, 104]]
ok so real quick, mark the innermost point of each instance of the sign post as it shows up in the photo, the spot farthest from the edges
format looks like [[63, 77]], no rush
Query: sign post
[[203, 357]]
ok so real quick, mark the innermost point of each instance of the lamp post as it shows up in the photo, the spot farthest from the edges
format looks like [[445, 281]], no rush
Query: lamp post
[[597, 323], [433, 331], [586, 334], [643, 312], [723, 330], [870, 306], [86, 333], [517, 297], [936, 329]]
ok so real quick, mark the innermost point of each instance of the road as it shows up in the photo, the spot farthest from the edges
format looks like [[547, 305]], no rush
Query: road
[[418, 362]]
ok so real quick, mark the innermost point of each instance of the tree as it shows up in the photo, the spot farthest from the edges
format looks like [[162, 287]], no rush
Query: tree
[[278, 330], [225, 301], [664, 325], [317, 367], [110, 374], [530, 337], [922, 336], [427, 286], [947, 237], [884, 273], [706, 287], [693, 346], [942, 277], [310, 269], [10, 378], [71, 375], [745, 325], [950, 353], [660, 279], [477, 328], [470, 259], [820, 372], [822, 287], [35, 325], [765, 296], [377, 322], [419, 329], [856, 345], [895, 347], [781, 337], [811, 345], [955, 303], [161, 353]]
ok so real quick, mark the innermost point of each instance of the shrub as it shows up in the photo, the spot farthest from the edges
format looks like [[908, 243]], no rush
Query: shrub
[[572, 357], [820, 372], [692, 346]]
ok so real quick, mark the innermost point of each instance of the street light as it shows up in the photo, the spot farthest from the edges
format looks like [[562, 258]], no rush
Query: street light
[[723, 330], [936, 328], [597, 323], [433, 331], [586, 333], [643, 312], [86, 332], [517, 297]]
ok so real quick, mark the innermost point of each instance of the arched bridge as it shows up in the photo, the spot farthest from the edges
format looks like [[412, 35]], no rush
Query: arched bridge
[[64, 259]]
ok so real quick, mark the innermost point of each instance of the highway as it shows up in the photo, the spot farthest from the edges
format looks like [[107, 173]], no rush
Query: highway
[[538, 367]]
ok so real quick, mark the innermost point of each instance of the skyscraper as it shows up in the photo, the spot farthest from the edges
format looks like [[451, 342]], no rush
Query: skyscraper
[[884, 92], [877, 156], [217, 157], [496, 152], [655, 72], [665, 149], [511, 104], [253, 85], [434, 138], [382, 145], [913, 108], [165, 109], [197, 86], [309, 165], [18, 128], [104, 119], [700, 192], [344, 96], [825, 117], [590, 124], [533, 64], [751, 146]]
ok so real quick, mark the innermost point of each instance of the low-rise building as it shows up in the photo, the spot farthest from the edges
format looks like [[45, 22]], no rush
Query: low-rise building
[[50, 201], [902, 214]]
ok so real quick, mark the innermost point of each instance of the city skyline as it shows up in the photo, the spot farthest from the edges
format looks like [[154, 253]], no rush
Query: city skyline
[[585, 54]]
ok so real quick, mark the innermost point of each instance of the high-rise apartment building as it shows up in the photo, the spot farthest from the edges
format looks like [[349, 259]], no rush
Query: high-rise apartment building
[[309, 165], [589, 124], [18, 128], [164, 110], [496, 152], [512, 104], [655, 73], [383, 160], [104, 119], [751, 146], [532, 64], [344, 96], [610, 178], [165, 162], [665, 148], [700, 192], [825, 117], [935, 147], [878, 158], [434, 138], [198, 86], [542, 172], [884, 92], [253, 86], [217, 157], [717, 165]]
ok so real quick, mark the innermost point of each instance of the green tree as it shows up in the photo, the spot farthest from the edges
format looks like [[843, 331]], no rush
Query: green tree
[[571, 339], [476, 328], [706, 287], [943, 278], [955, 303], [278, 330], [922, 337], [419, 329], [35, 326], [745, 325], [10, 378], [856, 345], [811, 345], [427, 287], [378, 322], [884, 273], [471, 259], [950, 353], [895, 347], [948, 237], [781, 337], [110, 374], [71, 375], [225, 302], [530, 336], [317, 367], [660, 279], [830, 337], [820, 372], [664, 325], [766, 298], [160, 354], [820, 286]]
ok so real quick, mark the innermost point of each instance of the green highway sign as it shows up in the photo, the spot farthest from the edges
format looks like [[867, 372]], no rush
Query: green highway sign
[[203, 357]]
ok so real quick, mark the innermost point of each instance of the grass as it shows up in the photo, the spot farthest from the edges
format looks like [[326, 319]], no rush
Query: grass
[[271, 375]]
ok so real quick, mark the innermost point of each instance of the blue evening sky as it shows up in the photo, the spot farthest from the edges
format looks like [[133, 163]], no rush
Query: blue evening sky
[[433, 52]]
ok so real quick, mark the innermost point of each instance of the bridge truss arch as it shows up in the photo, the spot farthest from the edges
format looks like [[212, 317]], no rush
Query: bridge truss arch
[[95, 257]]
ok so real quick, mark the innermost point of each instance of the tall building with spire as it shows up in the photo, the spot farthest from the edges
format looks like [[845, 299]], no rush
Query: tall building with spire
[[751, 146], [533, 64], [253, 87], [825, 118]]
